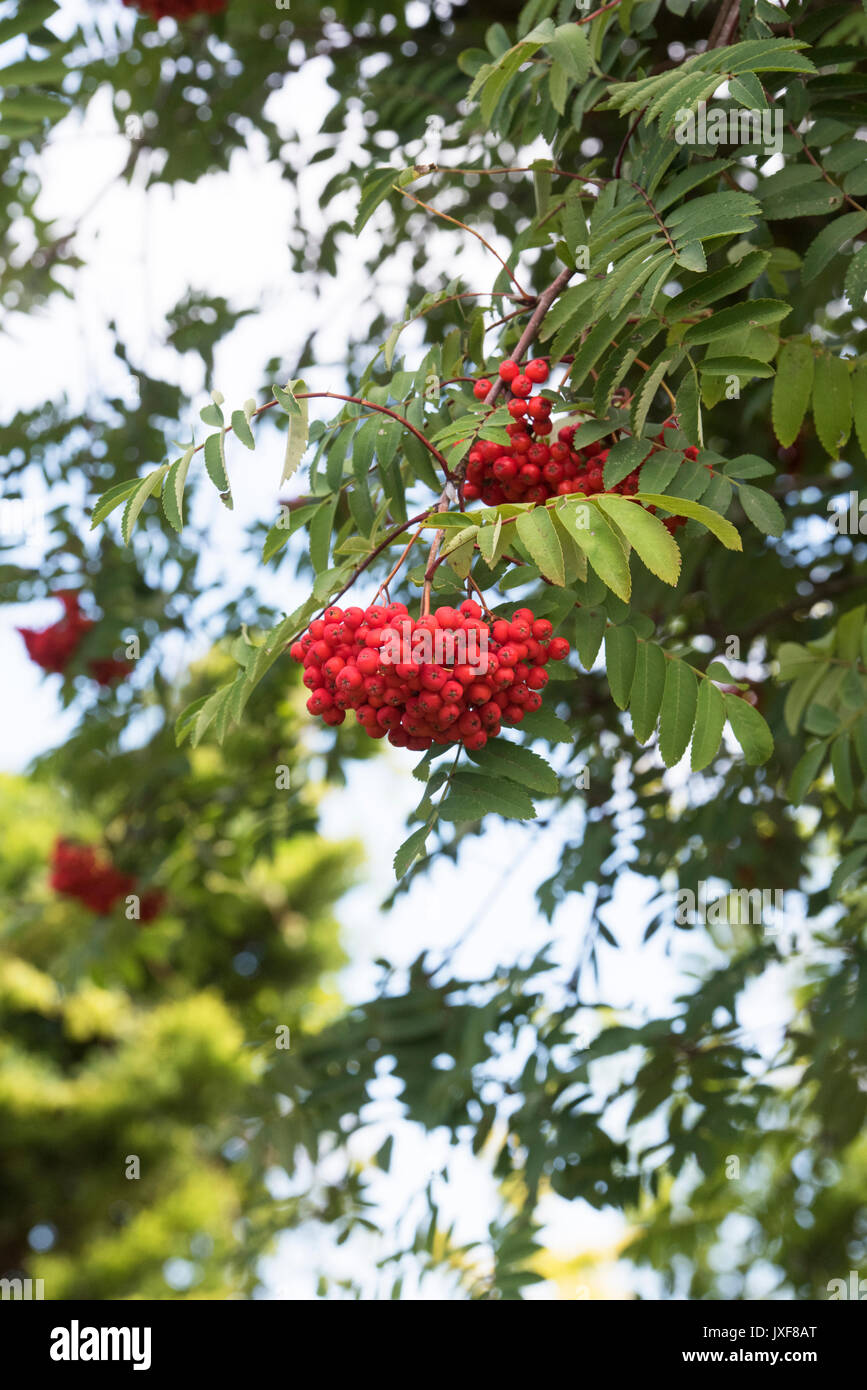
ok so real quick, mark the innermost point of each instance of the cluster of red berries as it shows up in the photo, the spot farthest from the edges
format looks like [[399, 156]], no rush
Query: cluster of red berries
[[177, 9], [376, 661], [54, 647], [79, 871], [532, 467]]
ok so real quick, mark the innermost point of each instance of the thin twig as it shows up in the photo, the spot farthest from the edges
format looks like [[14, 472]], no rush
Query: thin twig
[[458, 223]]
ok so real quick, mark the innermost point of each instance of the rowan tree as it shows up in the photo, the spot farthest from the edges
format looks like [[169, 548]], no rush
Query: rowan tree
[[628, 439]]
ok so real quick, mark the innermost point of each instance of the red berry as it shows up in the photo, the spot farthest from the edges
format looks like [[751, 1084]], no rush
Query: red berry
[[537, 370], [521, 385], [505, 469], [481, 388], [508, 370], [558, 648]]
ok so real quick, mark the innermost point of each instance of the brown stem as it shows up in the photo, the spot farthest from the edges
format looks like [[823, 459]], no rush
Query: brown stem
[[398, 531], [543, 304], [725, 24]]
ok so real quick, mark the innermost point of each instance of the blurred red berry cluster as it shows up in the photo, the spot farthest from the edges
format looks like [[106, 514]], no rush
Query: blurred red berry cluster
[[54, 647], [79, 871], [532, 467], [177, 9]]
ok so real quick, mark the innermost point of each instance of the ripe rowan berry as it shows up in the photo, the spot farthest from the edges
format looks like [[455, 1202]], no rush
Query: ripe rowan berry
[[537, 370], [508, 370], [481, 388], [558, 648], [433, 677], [505, 469], [521, 386], [479, 692]]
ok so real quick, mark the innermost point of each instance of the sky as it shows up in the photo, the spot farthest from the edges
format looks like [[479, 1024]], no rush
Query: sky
[[227, 235]]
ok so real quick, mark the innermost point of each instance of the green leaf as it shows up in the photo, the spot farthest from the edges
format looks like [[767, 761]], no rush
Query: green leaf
[[734, 366], [859, 403], [845, 869], [242, 430], [856, 279], [111, 499], [501, 758], [620, 655], [832, 402], [792, 387], [413, 848], [718, 285], [603, 546], [689, 409], [542, 723], [173, 489], [679, 700], [570, 46], [763, 510], [752, 313], [750, 729], [33, 107], [829, 241], [286, 398], [537, 532], [296, 442], [31, 15], [651, 541], [493, 542], [589, 628], [710, 718], [841, 765], [623, 459], [659, 469], [277, 537], [748, 466], [473, 795], [145, 489], [319, 534], [805, 772], [648, 684], [215, 461], [681, 506], [376, 187], [32, 72], [648, 387]]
